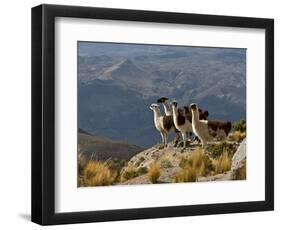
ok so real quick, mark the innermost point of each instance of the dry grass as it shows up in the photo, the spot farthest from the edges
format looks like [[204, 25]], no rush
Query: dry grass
[[186, 175], [193, 166], [223, 163], [154, 172], [237, 136], [97, 173], [198, 161], [81, 161]]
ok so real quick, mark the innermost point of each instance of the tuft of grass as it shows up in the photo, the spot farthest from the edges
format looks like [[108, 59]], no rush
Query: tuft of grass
[[154, 172], [97, 173], [186, 175], [237, 136], [223, 163], [81, 160], [198, 161], [132, 171], [218, 149]]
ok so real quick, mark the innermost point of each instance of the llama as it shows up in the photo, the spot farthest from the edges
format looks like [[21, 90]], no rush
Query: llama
[[181, 122], [166, 104], [164, 124], [203, 115], [207, 130], [169, 112]]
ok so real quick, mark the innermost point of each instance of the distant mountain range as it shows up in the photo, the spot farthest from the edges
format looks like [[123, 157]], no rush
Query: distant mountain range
[[118, 82]]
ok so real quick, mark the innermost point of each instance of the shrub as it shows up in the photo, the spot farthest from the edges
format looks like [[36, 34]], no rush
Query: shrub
[[218, 149], [223, 163], [129, 173], [240, 126], [165, 162], [142, 170], [186, 175], [97, 173], [154, 172], [132, 171], [116, 165], [237, 136]]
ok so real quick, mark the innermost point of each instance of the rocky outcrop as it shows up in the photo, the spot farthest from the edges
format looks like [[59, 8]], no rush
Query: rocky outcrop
[[238, 166], [169, 159]]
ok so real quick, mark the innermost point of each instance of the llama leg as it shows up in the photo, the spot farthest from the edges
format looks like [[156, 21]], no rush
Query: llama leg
[[163, 138], [166, 139], [178, 137], [184, 139], [203, 143]]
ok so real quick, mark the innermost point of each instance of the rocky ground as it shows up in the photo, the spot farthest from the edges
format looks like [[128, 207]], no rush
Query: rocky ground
[[169, 159]]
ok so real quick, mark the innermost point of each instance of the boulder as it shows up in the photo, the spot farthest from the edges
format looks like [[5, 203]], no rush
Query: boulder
[[238, 166]]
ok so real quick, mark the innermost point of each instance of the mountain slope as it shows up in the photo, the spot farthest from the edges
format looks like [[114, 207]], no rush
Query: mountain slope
[[101, 148], [117, 86]]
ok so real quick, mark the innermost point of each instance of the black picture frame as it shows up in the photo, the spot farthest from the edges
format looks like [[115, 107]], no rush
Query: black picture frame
[[43, 114]]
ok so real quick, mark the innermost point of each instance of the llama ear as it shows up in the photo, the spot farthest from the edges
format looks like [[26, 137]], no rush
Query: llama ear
[[200, 110]]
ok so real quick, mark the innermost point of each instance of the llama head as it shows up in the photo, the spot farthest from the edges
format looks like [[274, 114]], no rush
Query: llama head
[[193, 107], [175, 103], [162, 100], [154, 107]]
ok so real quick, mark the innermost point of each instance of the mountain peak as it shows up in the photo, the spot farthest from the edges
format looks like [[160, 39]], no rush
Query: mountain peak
[[126, 65]]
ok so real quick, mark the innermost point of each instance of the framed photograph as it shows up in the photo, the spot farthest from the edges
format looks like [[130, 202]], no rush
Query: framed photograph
[[141, 114]]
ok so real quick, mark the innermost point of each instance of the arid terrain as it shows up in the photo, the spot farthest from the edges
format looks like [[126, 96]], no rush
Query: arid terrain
[[220, 160]]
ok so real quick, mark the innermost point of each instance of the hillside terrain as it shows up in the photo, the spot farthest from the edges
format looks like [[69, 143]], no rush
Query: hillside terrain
[[100, 148], [171, 164], [219, 160]]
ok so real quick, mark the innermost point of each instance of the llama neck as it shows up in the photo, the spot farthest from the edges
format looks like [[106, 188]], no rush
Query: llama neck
[[156, 113], [167, 108], [175, 111], [195, 116]]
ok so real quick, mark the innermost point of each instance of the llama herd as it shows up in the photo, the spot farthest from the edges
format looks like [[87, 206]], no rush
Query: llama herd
[[187, 120]]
